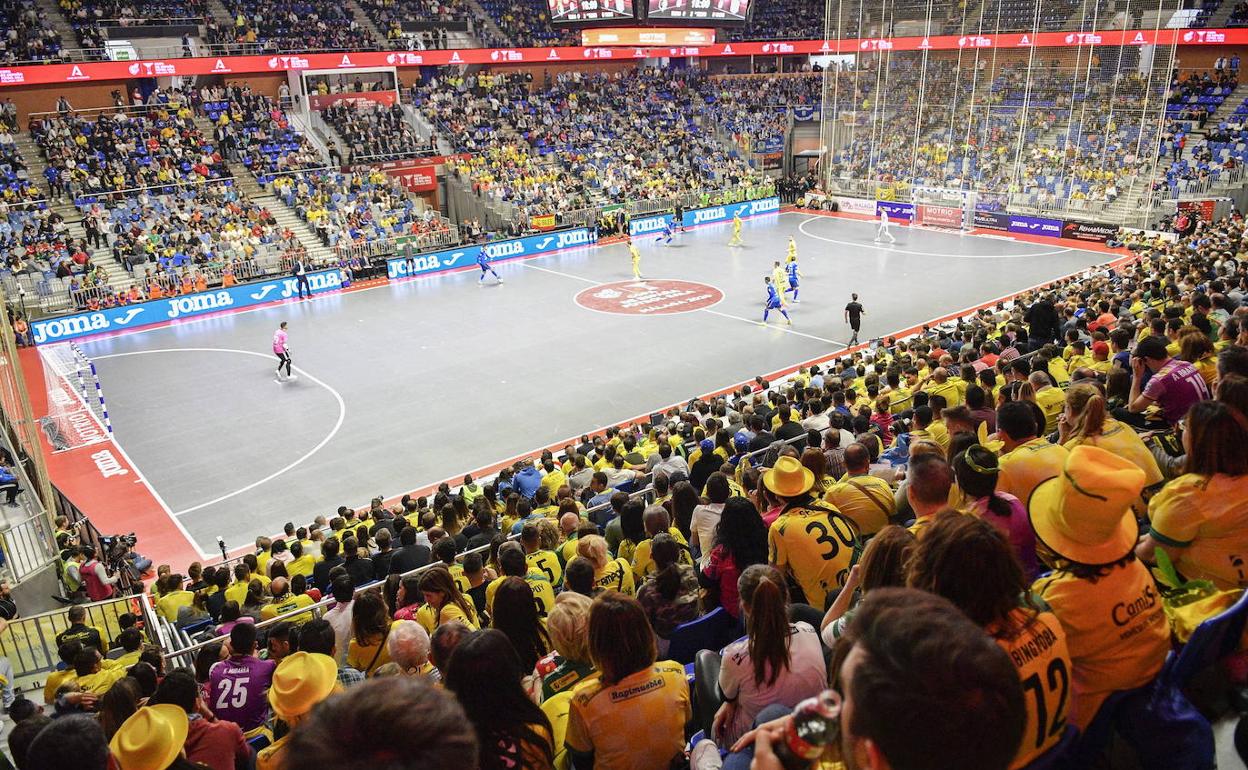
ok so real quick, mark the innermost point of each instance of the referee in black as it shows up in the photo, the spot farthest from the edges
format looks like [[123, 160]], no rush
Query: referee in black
[[853, 317]]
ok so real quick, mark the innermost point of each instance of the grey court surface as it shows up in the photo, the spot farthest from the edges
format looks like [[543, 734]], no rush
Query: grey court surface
[[408, 384]]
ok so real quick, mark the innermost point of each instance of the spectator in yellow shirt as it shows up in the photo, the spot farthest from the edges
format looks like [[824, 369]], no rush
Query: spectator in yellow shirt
[[1104, 597], [1026, 459], [1048, 398], [1200, 519]]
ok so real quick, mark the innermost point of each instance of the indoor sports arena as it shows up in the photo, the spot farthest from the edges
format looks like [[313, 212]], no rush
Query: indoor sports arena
[[623, 384]]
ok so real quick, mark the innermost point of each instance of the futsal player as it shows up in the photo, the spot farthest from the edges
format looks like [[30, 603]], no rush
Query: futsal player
[[632, 249], [774, 302], [779, 277], [483, 262], [736, 229], [282, 351], [882, 231], [794, 274], [792, 249], [666, 235]]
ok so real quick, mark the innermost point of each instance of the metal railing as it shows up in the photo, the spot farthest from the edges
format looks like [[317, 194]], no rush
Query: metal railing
[[180, 650], [27, 546], [30, 645]]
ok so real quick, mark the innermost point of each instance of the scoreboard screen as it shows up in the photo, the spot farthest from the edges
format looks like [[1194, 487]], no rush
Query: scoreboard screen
[[583, 11], [723, 11]]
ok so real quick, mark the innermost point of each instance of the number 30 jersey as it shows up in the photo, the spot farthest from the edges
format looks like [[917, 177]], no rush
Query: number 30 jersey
[[816, 544]]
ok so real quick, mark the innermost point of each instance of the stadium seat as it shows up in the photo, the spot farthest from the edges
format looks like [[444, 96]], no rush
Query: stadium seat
[[1212, 641], [709, 632]]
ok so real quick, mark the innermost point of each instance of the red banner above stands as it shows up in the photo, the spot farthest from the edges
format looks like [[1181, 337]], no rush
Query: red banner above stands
[[227, 65], [415, 174], [321, 101]]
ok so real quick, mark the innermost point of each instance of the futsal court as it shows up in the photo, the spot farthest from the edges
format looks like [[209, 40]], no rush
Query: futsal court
[[407, 384]]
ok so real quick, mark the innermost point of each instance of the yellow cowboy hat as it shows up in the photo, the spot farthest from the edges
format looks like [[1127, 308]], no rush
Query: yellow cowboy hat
[[151, 738], [1084, 514], [301, 681], [789, 478]]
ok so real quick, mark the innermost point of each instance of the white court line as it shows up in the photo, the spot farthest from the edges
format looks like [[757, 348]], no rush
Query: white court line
[[565, 275], [784, 329], [342, 413], [863, 244]]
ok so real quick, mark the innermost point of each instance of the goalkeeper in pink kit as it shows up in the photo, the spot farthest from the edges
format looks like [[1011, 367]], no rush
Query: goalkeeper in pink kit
[[282, 351]]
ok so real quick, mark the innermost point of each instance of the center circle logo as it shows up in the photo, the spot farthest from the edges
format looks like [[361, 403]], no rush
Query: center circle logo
[[658, 296]]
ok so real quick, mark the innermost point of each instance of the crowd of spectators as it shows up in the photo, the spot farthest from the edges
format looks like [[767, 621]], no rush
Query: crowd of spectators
[[88, 155], [918, 500], [568, 144], [87, 17], [283, 26], [357, 206], [26, 34], [389, 15], [524, 23], [255, 131], [374, 132]]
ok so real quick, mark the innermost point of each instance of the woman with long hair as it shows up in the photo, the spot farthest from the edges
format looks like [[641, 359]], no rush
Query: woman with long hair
[[370, 628], [1196, 348], [1086, 421], [777, 662], [621, 647], [670, 594], [512, 732], [683, 501], [515, 614], [883, 565], [969, 562], [255, 600], [118, 704], [976, 472], [407, 600], [609, 574], [816, 462], [443, 601], [740, 541], [632, 528], [1200, 519]]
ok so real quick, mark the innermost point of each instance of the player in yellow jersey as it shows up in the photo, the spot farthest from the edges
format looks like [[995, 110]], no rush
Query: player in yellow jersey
[[632, 250], [792, 248], [779, 277], [736, 230]]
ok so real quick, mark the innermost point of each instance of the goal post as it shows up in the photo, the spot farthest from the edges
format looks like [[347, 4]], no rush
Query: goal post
[[944, 208]]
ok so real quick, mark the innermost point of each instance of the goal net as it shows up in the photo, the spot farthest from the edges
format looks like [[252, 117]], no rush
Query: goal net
[[76, 411], [944, 208]]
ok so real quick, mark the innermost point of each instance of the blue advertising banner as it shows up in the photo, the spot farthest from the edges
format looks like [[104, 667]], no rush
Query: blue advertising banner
[[499, 251], [652, 224], [159, 310], [805, 112], [1035, 225], [895, 210]]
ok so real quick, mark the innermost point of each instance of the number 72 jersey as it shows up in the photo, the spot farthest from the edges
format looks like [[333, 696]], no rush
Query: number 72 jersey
[[1037, 648], [817, 545]]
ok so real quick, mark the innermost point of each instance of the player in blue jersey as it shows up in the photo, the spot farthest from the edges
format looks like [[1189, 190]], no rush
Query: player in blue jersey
[[669, 227], [774, 302], [794, 275], [483, 262]]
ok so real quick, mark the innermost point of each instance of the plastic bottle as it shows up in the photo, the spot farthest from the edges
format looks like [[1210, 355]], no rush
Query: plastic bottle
[[813, 730]]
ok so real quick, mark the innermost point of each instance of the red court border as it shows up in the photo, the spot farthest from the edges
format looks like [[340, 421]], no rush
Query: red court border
[[123, 502]]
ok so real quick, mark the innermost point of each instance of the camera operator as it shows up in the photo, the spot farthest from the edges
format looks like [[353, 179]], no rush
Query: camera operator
[[95, 578]]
